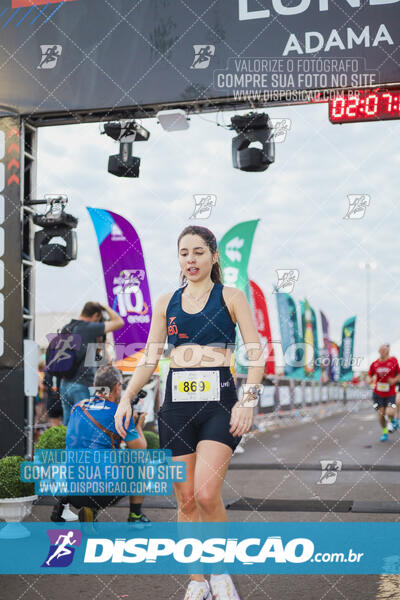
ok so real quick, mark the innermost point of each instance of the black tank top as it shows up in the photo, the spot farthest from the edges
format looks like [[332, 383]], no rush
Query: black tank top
[[212, 326]]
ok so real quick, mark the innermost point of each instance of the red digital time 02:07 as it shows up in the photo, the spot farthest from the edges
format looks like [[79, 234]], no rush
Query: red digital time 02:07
[[365, 105]]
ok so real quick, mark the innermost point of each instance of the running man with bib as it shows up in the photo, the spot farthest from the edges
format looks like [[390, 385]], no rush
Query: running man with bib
[[201, 420], [385, 372]]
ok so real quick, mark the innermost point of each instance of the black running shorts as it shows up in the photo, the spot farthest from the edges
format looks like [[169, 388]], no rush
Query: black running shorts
[[182, 425], [383, 400]]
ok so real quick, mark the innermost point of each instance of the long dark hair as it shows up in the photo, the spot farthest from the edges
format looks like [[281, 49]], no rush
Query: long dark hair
[[209, 238]]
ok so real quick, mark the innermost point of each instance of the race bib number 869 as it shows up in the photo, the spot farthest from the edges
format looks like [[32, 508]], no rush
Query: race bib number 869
[[195, 386]]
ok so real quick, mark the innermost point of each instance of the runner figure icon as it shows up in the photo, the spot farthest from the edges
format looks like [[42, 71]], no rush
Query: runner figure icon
[[63, 347], [202, 56], [62, 550], [50, 56]]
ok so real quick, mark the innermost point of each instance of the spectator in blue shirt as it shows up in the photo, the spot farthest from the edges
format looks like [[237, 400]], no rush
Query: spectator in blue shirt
[[91, 426]]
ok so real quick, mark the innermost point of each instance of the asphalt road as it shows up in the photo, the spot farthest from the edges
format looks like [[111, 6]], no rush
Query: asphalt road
[[277, 478]]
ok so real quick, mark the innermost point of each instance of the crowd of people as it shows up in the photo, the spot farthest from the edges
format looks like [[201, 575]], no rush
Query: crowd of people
[[65, 378], [57, 392]]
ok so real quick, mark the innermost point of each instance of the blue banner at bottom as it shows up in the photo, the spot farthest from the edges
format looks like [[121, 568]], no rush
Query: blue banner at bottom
[[251, 548]]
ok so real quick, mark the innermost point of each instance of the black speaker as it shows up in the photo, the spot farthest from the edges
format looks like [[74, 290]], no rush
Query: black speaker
[[13, 413]]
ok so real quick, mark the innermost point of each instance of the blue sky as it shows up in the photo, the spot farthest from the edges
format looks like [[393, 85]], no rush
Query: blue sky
[[300, 200]]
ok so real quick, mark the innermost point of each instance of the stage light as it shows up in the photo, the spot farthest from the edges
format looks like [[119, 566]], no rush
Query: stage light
[[173, 120], [252, 128], [57, 226], [124, 164], [126, 132], [113, 130]]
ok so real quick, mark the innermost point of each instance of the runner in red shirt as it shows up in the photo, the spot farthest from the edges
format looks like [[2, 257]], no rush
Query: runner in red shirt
[[385, 373]]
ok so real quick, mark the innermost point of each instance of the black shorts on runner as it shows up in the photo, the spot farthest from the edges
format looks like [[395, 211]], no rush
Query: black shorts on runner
[[383, 400], [182, 425], [54, 406]]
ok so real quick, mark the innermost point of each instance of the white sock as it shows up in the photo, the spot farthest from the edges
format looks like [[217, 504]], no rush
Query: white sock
[[218, 577], [203, 583]]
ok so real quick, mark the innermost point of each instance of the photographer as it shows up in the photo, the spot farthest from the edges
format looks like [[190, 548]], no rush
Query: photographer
[[89, 327], [91, 426]]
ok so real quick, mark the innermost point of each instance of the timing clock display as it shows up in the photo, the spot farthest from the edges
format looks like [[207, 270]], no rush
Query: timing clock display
[[365, 105]]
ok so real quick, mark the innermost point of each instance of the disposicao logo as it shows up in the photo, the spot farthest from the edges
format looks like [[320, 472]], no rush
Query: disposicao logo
[[189, 550], [62, 547]]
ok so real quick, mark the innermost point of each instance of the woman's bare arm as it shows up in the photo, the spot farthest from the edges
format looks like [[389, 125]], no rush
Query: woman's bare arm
[[250, 337], [242, 414]]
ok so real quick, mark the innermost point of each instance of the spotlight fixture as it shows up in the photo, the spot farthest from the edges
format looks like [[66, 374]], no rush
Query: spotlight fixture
[[252, 128], [125, 132], [55, 223], [124, 164]]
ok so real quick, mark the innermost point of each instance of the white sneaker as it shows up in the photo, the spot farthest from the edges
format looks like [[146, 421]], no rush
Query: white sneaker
[[390, 427], [198, 590], [223, 588], [68, 515]]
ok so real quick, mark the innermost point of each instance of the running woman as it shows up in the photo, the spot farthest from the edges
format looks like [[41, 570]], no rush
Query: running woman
[[384, 373], [199, 319]]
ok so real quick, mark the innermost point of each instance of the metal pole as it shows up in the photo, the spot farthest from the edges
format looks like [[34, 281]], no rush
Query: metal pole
[[28, 189]]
